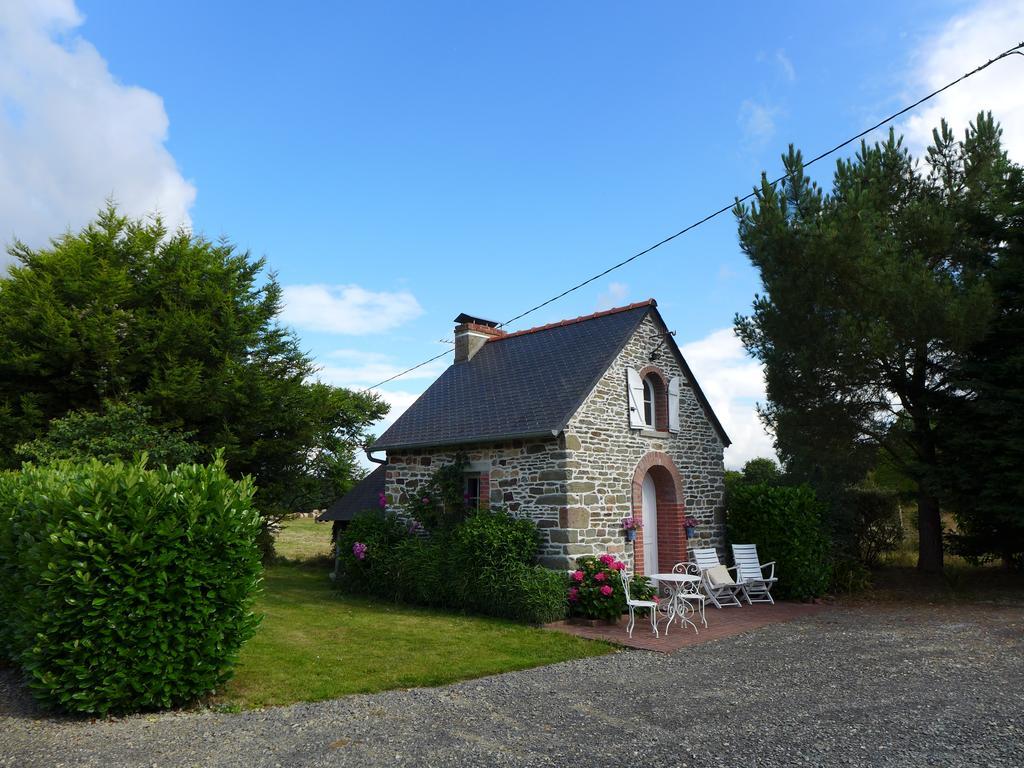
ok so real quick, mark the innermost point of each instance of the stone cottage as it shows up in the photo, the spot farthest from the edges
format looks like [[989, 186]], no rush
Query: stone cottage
[[576, 425]]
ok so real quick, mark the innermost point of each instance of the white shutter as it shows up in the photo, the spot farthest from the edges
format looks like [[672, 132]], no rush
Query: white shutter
[[673, 404], [635, 398]]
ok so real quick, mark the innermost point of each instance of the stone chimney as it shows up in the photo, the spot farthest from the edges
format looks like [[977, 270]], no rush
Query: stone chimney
[[471, 333]]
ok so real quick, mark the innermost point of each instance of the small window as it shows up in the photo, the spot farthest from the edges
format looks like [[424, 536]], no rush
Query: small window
[[471, 494], [649, 402]]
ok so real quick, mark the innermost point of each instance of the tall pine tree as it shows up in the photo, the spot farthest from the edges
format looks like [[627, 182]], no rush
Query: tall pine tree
[[873, 295]]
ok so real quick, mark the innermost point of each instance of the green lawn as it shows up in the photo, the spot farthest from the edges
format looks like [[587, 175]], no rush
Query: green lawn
[[303, 539], [315, 643]]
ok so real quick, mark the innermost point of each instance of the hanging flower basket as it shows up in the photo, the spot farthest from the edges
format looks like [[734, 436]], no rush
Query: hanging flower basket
[[690, 525], [631, 534], [631, 525]]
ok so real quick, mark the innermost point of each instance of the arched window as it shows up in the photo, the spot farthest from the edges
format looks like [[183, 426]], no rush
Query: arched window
[[650, 403], [653, 399]]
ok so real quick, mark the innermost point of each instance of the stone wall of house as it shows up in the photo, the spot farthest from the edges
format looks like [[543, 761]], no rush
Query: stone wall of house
[[525, 478], [605, 452], [579, 486]]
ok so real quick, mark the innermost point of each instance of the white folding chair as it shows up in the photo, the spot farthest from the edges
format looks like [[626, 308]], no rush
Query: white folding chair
[[718, 583], [751, 571], [632, 605]]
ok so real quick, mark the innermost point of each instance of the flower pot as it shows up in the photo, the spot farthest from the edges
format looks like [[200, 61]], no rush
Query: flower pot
[[690, 532], [631, 534]]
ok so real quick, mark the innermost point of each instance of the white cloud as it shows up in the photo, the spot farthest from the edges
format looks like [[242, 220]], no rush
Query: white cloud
[[71, 135], [757, 121], [399, 401], [734, 384], [347, 309], [965, 42], [614, 296], [785, 65]]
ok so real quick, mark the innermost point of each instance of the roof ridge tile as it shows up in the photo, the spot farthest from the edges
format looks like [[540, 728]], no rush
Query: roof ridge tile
[[574, 320]]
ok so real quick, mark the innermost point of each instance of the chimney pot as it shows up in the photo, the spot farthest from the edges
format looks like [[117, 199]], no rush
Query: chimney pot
[[471, 333]]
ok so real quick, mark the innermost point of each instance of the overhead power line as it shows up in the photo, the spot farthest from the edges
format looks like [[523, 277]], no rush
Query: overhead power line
[[408, 370], [1015, 50]]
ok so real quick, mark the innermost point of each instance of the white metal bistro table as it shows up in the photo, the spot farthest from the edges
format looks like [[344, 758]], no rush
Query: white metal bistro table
[[677, 604]]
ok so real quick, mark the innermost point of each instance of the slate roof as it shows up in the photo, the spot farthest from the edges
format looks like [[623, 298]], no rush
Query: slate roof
[[363, 497], [524, 384]]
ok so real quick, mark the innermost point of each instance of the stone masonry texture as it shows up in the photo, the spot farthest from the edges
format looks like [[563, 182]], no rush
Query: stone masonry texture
[[579, 485]]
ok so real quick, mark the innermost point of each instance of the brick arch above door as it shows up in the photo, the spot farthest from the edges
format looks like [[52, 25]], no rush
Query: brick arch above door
[[671, 509]]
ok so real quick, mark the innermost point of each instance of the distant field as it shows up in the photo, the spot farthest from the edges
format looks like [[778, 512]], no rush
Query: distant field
[[304, 539]]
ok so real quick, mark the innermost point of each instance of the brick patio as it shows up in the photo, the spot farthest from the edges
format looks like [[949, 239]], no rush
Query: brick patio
[[723, 622]]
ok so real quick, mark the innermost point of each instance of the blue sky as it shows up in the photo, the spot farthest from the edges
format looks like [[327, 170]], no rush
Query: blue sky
[[399, 163]]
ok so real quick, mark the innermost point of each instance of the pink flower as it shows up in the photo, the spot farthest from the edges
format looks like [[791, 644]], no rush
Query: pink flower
[[574, 594], [599, 576], [425, 500], [359, 550], [606, 590], [606, 559], [618, 565], [577, 576], [382, 500]]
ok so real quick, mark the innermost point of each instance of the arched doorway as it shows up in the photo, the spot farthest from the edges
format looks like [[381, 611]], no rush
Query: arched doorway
[[658, 502], [649, 507]]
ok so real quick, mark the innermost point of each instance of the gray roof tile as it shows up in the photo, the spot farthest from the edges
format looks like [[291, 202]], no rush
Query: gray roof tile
[[525, 384]]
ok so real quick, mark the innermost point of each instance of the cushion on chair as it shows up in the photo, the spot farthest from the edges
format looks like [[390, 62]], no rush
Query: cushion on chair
[[719, 576]]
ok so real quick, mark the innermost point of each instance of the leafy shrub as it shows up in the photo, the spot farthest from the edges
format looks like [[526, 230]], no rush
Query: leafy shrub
[[877, 528], [484, 564], [849, 576], [495, 538], [124, 588], [487, 539], [123, 430], [529, 593], [786, 525]]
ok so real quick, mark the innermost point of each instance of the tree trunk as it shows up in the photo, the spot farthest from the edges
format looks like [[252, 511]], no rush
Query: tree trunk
[[929, 527]]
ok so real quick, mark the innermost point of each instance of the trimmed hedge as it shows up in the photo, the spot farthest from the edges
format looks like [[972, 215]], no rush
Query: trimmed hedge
[[485, 564], [124, 588], [786, 524]]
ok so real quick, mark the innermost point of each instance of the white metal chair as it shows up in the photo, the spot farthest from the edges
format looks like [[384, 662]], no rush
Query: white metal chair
[[632, 605], [751, 571], [689, 592], [719, 585]]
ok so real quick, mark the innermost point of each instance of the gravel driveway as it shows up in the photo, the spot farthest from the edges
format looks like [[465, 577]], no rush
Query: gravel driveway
[[891, 686]]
